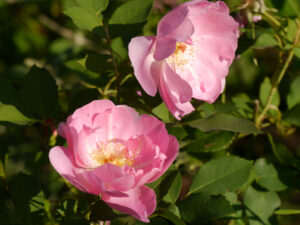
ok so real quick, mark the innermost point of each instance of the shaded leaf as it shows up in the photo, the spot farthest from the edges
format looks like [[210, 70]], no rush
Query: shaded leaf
[[261, 203], [79, 66], [268, 176], [265, 40], [264, 92], [179, 132], [283, 155], [211, 142], [98, 63], [101, 211], [292, 115], [293, 97], [40, 93], [201, 207], [174, 191], [170, 216]]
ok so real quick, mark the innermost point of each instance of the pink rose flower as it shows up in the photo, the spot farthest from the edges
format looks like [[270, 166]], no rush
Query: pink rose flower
[[189, 57], [113, 152]]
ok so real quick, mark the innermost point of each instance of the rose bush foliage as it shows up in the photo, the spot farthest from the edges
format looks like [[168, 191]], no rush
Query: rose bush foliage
[[152, 135]]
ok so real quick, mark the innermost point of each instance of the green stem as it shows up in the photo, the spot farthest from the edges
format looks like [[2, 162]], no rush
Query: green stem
[[115, 64], [272, 20], [275, 84]]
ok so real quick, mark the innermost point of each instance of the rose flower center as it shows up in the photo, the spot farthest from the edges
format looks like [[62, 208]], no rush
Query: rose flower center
[[182, 56], [114, 152]]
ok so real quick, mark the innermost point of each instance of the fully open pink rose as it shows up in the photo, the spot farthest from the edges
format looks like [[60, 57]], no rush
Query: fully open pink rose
[[113, 151], [189, 57]]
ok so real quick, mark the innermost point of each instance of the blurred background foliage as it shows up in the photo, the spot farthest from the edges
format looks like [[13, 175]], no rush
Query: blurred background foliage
[[56, 56]]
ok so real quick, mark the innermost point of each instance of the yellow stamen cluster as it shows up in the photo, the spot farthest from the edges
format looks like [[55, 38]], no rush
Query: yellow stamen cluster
[[183, 55], [113, 152]]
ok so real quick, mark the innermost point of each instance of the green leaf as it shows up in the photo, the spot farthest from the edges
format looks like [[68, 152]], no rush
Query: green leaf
[[292, 115], [98, 63], [166, 184], [203, 207], [283, 155], [265, 40], [174, 209], [211, 142], [291, 30], [216, 141], [222, 174], [9, 113], [86, 14], [291, 8], [83, 18], [128, 20], [264, 92], [37, 202], [81, 98], [261, 203], [268, 176], [153, 221], [93, 6], [174, 191], [297, 52], [179, 132], [293, 97], [170, 216], [287, 211], [222, 121], [162, 112], [21, 198], [7, 92], [79, 66], [119, 48], [40, 93], [131, 12]]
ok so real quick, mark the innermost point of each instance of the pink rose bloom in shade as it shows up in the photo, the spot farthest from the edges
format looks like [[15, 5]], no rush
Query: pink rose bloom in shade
[[189, 57], [113, 152]]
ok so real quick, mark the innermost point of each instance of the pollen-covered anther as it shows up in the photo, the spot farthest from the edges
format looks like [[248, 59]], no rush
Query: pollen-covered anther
[[183, 55], [114, 152]]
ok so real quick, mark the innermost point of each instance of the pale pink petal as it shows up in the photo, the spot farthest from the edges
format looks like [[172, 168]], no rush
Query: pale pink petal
[[171, 29], [139, 51], [210, 85], [84, 147], [177, 85], [171, 99], [63, 162], [216, 24], [171, 21], [140, 203], [86, 113], [155, 130], [123, 120], [143, 150], [115, 178], [165, 46], [170, 157]]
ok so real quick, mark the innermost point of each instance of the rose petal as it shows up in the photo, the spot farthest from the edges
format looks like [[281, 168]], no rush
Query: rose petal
[[86, 113], [139, 51], [140, 203]]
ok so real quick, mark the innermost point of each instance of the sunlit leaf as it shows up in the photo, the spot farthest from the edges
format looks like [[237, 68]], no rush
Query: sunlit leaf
[[222, 174]]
